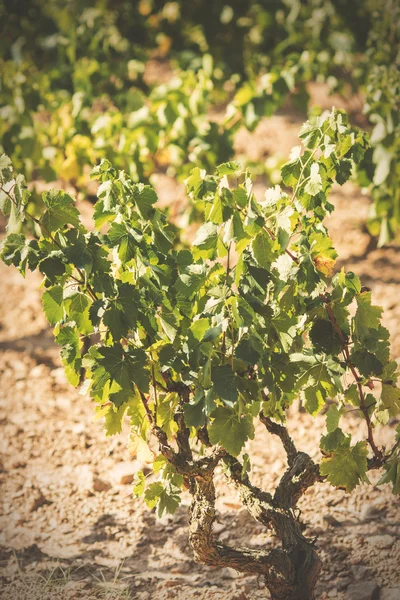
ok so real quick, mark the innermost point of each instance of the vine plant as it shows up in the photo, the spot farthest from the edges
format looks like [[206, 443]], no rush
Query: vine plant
[[197, 343]]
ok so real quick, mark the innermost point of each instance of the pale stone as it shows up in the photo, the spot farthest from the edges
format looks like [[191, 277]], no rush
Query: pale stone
[[392, 593], [381, 541], [366, 590], [361, 572], [123, 473]]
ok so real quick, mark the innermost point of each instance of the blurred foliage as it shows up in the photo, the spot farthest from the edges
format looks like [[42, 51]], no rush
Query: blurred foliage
[[76, 87]]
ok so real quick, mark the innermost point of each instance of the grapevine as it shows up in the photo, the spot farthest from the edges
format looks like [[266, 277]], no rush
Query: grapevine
[[198, 343]]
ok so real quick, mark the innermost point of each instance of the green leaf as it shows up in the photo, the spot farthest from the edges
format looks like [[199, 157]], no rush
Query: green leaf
[[169, 326], [199, 328], [152, 494], [343, 170], [101, 215], [230, 429], [191, 280], [121, 237], [60, 211], [53, 266], [314, 184], [168, 502], [194, 414], [224, 383], [347, 466], [262, 250], [322, 252], [324, 337], [228, 168], [392, 475], [332, 418], [206, 237], [316, 381], [68, 338], [113, 419], [16, 250], [366, 362], [114, 366], [200, 186], [140, 484], [284, 327], [382, 159], [166, 406], [367, 316], [77, 307], [390, 399], [332, 440], [352, 396], [350, 281], [5, 162], [214, 211], [52, 302], [138, 369], [144, 197], [290, 172], [248, 350]]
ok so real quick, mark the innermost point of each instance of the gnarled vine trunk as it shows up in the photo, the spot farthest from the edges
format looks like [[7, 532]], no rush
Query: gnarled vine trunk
[[290, 571]]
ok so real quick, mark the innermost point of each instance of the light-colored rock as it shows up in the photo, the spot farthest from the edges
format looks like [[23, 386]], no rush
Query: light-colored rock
[[344, 583], [123, 473], [218, 527], [365, 590], [59, 376], [38, 371], [381, 541], [371, 512], [390, 593], [88, 482], [361, 572], [84, 477], [229, 573]]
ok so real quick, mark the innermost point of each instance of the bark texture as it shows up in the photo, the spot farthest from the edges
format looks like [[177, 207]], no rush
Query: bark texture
[[291, 570]]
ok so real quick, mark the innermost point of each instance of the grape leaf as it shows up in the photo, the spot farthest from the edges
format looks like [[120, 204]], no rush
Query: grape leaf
[[332, 418], [230, 430], [324, 338], [366, 362], [224, 384], [60, 211], [392, 475], [77, 306], [206, 237], [121, 237], [68, 339], [314, 184], [262, 249], [144, 197], [347, 466], [367, 316], [52, 302]]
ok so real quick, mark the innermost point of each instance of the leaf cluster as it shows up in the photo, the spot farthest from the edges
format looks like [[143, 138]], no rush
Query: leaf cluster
[[197, 340]]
